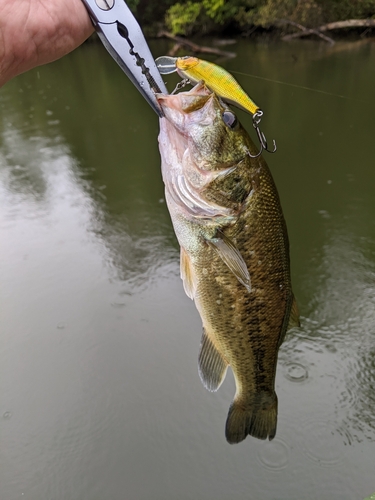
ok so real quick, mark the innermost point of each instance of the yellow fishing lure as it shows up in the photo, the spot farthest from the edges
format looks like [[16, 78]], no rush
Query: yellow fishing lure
[[217, 79]]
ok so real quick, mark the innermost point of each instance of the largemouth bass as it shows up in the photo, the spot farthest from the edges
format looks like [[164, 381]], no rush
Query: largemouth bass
[[234, 252]]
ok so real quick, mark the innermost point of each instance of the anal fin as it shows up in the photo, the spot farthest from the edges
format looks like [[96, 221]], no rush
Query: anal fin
[[211, 365]]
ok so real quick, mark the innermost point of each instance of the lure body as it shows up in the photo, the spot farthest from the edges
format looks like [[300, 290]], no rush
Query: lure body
[[216, 78]]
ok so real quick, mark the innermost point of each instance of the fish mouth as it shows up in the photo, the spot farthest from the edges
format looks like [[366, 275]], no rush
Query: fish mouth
[[184, 173], [186, 108], [181, 112]]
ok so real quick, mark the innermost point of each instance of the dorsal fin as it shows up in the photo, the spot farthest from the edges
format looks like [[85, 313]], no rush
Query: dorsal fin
[[211, 365]]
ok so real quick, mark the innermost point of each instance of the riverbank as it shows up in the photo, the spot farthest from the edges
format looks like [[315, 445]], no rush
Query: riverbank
[[251, 18]]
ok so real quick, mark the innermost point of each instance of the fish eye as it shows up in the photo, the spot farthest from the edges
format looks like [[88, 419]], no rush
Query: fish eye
[[230, 119]]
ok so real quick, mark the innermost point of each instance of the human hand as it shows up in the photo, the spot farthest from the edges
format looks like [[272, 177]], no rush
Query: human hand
[[35, 32]]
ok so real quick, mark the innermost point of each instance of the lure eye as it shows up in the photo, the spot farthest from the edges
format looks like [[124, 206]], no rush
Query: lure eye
[[230, 119]]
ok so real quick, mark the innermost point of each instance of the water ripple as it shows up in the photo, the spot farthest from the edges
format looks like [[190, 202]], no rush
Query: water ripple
[[274, 455], [295, 372], [320, 448]]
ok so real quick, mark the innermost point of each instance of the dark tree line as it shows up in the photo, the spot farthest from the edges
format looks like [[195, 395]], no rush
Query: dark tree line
[[192, 17]]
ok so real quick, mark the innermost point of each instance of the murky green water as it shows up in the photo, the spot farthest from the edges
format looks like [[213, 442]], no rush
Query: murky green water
[[100, 397]]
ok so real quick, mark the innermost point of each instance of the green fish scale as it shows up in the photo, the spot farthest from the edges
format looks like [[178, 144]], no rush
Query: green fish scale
[[247, 327]]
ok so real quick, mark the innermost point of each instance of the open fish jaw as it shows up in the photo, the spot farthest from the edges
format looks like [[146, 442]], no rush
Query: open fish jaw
[[184, 169]]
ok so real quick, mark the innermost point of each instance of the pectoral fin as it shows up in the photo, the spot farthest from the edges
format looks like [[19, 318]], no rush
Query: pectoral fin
[[187, 274], [232, 258], [211, 365]]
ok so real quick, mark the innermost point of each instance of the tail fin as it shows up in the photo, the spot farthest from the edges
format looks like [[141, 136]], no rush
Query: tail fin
[[257, 418]]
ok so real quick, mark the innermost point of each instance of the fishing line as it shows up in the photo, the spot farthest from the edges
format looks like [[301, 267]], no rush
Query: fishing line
[[299, 86]]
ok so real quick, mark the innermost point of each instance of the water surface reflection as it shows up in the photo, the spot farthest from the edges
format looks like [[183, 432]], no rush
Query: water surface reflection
[[100, 396]]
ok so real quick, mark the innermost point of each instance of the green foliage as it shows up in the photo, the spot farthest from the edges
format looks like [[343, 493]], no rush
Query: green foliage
[[151, 15], [337, 10], [307, 12], [132, 4], [182, 18], [213, 7], [220, 11], [188, 17], [265, 13]]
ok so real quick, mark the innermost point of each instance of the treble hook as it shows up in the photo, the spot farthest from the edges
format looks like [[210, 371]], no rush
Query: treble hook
[[257, 116], [181, 85]]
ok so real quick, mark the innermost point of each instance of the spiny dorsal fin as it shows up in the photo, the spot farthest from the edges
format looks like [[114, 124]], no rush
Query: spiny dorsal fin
[[294, 316], [232, 258], [187, 274], [211, 365]]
